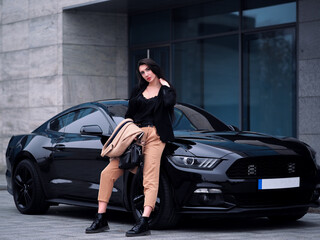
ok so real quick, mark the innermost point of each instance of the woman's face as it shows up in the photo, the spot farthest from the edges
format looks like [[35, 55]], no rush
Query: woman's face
[[147, 73]]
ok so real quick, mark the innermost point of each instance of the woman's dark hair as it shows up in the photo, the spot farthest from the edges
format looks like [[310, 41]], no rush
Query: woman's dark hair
[[155, 68]]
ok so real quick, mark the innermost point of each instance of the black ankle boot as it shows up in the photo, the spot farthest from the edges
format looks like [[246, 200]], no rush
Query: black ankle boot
[[99, 224], [141, 228]]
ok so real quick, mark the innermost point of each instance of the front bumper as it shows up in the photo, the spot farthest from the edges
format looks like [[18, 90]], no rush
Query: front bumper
[[232, 212]]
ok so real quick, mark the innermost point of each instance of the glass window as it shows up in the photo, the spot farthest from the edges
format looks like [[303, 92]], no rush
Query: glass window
[[150, 28], [58, 124], [205, 59], [270, 82], [206, 74], [260, 13], [204, 19], [187, 69], [191, 118], [221, 78], [117, 112], [86, 116]]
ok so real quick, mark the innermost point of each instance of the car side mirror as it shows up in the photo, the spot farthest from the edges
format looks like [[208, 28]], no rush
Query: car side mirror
[[234, 128], [91, 130]]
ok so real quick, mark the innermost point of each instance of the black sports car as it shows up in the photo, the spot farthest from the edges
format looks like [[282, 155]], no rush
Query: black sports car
[[210, 169]]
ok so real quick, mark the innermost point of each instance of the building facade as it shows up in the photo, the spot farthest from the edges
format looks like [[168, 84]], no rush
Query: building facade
[[254, 64]]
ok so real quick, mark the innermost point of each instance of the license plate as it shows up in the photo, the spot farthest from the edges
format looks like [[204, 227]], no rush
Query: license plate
[[279, 183]]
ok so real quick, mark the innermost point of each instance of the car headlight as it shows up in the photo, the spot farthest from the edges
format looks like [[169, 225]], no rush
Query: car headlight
[[195, 162]]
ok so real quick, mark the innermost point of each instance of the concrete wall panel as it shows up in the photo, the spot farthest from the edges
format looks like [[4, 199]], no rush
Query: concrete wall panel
[[1, 11], [3, 147], [309, 72], [14, 10], [90, 28], [89, 60], [79, 89], [309, 10], [14, 93], [309, 112], [39, 115], [15, 65], [122, 62], [122, 87], [39, 8], [43, 61], [309, 78], [45, 92], [15, 36], [1, 76], [44, 31], [1, 34], [309, 37], [312, 138], [15, 121]]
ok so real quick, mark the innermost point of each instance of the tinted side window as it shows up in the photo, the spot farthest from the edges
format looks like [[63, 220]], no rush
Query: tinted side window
[[188, 119], [58, 124], [86, 116], [117, 112], [191, 118]]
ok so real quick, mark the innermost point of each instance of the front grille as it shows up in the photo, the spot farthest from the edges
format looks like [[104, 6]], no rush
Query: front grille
[[270, 166]]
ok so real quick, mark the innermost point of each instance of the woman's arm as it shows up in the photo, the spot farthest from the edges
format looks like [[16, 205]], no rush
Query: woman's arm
[[130, 111], [168, 94]]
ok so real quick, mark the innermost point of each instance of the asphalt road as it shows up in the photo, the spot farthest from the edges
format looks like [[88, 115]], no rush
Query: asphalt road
[[69, 222]]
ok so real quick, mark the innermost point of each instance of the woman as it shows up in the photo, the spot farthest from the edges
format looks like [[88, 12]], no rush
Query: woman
[[151, 108]]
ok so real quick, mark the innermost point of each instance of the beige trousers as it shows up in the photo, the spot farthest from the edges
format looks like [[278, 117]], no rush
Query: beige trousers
[[152, 150]]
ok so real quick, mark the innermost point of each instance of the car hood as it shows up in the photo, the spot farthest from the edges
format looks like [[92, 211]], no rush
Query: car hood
[[245, 144]]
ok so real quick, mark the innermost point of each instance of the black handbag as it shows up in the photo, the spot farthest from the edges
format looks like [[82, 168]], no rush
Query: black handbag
[[131, 157]]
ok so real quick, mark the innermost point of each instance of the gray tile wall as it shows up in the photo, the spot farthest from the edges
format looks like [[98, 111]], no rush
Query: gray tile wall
[[95, 53], [309, 73], [50, 60]]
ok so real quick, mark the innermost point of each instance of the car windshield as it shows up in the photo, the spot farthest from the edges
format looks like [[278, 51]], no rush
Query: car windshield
[[186, 117]]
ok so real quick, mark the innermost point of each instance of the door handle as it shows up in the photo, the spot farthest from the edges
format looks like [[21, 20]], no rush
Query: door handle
[[59, 147]]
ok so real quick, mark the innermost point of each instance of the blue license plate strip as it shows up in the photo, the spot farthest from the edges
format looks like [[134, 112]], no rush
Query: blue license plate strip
[[278, 183]]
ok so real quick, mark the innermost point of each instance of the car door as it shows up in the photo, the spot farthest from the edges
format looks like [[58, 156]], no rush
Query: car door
[[76, 158]]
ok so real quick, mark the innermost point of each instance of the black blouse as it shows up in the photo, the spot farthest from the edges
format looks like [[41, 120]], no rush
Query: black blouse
[[162, 111], [145, 110]]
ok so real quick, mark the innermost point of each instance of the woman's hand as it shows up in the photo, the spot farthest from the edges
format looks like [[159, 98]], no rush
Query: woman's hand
[[164, 82]]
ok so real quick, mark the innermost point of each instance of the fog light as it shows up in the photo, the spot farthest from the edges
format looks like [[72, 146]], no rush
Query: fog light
[[206, 197], [207, 190]]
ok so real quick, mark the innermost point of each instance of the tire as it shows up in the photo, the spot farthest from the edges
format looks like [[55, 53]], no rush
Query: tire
[[27, 191], [287, 218], [164, 215]]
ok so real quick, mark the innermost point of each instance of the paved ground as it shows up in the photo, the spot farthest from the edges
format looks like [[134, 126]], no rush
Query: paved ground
[[68, 222]]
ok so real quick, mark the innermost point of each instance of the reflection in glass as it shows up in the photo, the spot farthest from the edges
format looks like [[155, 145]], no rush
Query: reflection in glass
[[262, 16], [86, 116], [187, 63], [204, 19], [269, 78], [206, 74], [221, 78]]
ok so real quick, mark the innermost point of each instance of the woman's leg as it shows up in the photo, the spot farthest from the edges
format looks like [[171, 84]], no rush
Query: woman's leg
[[151, 170], [153, 148], [147, 211], [107, 178], [102, 206]]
